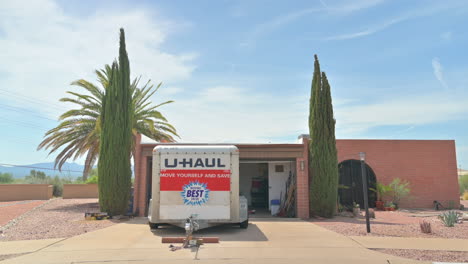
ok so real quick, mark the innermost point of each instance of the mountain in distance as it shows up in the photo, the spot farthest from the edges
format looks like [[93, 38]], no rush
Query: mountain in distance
[[68, 169]]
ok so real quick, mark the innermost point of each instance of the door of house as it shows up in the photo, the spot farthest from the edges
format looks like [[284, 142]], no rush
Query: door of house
[[278, 173]]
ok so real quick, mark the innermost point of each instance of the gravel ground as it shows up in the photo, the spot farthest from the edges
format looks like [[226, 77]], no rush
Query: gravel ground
[[58, 218], [13, 209], [428, 255], [402, 223], [396, 224]]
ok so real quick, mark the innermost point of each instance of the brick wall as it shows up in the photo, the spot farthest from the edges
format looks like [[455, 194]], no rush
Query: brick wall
[[302, 168], [429, 165], [140, 178]]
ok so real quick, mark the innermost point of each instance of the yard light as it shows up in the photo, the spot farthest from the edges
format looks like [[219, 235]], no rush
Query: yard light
[[362, 156]]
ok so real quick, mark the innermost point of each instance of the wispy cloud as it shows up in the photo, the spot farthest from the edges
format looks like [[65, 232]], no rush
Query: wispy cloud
[[412, 110], [267, 27], [348, 7], [323, 3], [438, 72], [277, 22], [378, 27], [369, 31]]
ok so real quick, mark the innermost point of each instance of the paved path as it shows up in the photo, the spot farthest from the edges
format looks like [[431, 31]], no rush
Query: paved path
[[25, 246], [13, 209], [263, 242], [413, 243]]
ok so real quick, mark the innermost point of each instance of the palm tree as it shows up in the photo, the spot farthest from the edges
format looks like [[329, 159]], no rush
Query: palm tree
[[79, 130]]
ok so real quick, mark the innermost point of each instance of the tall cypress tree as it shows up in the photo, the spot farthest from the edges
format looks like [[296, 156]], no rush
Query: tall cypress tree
[[323, 162], [114, 168]]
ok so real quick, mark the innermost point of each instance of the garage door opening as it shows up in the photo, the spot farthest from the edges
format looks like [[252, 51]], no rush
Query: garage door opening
[[267, 185]]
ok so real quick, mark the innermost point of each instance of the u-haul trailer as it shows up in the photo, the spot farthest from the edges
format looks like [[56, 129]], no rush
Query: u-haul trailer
[[198, 181]]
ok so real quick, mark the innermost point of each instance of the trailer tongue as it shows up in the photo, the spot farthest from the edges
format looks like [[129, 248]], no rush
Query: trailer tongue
[[199, 182]]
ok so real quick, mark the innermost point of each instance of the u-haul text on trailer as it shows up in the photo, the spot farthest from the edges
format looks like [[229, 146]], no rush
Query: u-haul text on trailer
[[198, 181]]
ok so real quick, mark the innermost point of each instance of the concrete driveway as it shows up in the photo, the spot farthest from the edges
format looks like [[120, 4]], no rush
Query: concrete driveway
[[265, 241]]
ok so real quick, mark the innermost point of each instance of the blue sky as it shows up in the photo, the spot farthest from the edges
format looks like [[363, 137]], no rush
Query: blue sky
[[240, 71]]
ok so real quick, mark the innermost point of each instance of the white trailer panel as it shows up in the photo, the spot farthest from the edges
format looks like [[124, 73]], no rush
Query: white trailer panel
[[196, 180]]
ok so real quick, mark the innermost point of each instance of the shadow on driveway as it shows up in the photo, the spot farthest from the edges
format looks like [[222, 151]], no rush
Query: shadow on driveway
[[224, 232]]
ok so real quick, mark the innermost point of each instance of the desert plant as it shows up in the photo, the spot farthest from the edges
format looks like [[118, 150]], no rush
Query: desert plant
[[371, 213], [463, 183], [399, 190], [341, 208], [356, 209], [382, 190], [449, 218], [425, 227]]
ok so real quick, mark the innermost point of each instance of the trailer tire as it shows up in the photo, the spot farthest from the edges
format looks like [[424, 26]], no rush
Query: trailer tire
[[153, 225], [244, 224]]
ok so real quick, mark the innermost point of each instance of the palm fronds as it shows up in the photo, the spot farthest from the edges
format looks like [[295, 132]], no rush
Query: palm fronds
[[78, 133]]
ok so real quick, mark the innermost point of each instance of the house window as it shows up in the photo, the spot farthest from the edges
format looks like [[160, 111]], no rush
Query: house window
[[279, 168]]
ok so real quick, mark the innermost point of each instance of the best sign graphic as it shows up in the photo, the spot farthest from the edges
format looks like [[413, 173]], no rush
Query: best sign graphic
[[195, 184]]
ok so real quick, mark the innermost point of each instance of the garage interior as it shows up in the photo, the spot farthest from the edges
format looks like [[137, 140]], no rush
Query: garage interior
[[265, 184]]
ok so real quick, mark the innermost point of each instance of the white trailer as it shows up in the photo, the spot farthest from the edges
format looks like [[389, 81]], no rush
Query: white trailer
[[198, 181]]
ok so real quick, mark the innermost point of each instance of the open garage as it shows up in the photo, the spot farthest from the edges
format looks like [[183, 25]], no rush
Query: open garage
[[264, 184]]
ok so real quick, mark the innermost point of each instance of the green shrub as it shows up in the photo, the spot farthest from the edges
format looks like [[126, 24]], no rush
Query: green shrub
[[463, 183], [92, 179], [449, 218], [399, 190], [465, 196], [382, 191], [58, 186], [6, 178]]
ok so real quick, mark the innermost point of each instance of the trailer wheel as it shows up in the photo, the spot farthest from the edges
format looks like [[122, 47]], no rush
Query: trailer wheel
[[153, 225], [244, 224]]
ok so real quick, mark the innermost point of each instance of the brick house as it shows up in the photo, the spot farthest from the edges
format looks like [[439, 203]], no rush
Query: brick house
[[429, 165]]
